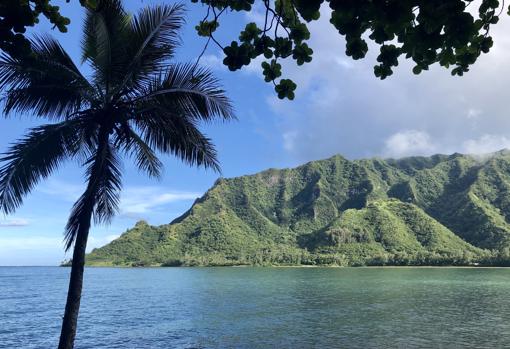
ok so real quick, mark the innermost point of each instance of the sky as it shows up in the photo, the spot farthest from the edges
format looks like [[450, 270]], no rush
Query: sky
[[340, 108]]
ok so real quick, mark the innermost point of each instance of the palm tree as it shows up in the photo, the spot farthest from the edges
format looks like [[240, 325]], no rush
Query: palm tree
[[136, 104]]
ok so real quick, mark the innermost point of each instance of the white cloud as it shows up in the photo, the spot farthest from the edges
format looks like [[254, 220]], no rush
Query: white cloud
[[486, 144], [14, 222], [289, 140], [255, 66], [341, 107], [474, 113], [30, 243], [414, 142], [95, 242], [215, 62], [257, 14], [35, 250], [134, 200], [41, 250], [65, 190], [138, 200], [212, 61], [44, 242], [409, 142], [346, 63]]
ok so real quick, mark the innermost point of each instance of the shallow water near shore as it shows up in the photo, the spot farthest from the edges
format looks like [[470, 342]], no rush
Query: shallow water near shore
[[261, 307]]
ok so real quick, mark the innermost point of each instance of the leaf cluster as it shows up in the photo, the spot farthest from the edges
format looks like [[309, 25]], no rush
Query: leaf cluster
[[16, 16], [136, 103], [425, 31]]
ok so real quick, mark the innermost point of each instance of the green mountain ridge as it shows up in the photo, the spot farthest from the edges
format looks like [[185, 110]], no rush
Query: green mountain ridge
[[434, 210]]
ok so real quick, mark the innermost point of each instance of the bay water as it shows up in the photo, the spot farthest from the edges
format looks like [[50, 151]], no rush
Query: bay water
[[261, 307]]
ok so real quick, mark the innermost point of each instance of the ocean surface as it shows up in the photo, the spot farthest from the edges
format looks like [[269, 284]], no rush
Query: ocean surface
[[261, 308]]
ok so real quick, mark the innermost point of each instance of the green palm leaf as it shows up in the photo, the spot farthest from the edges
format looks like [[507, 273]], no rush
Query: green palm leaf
[[104, 45], [136, 104], [152, 41], [47, 83], [134, 146], [189, 90], [178, 136], [35, 157]]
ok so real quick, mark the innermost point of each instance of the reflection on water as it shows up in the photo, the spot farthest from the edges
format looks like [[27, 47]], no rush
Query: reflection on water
[[261, 308]]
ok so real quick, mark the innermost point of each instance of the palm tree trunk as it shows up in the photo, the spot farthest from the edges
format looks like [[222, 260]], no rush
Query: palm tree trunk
[[70, 321]]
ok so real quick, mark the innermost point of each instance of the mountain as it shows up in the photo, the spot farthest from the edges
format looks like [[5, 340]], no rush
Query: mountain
[[419, 210]]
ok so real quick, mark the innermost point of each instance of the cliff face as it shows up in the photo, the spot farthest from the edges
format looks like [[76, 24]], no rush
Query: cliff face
[[418, 210]]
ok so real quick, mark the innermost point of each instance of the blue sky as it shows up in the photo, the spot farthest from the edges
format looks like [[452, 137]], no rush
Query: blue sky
[[340, 108]]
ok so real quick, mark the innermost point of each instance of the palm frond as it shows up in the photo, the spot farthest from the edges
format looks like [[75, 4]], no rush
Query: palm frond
[[35, 157], [47, 83], [178, 136], [101, 198], [190, 90], [152, 41], [134, 146], [106, 33]]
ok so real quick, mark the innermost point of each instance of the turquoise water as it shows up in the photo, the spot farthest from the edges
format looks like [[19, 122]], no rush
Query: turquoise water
[[261, 308]]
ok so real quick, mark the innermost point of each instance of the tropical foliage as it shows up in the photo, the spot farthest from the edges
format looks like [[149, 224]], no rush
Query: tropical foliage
[[16, 16], [440, 210], [452, 33], [135, 105]]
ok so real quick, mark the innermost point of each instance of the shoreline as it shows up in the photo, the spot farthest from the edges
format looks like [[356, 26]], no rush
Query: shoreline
[[271, 266], [308, 266]]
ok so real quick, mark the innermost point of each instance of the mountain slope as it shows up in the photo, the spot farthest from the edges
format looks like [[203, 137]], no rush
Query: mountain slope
[[419, 210]]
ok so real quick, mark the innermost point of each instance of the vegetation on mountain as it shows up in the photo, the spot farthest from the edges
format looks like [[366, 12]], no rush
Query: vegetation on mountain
[[439, 210]]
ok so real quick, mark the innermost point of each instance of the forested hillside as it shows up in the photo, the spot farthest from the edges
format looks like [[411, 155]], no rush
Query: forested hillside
[[439, 210]]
